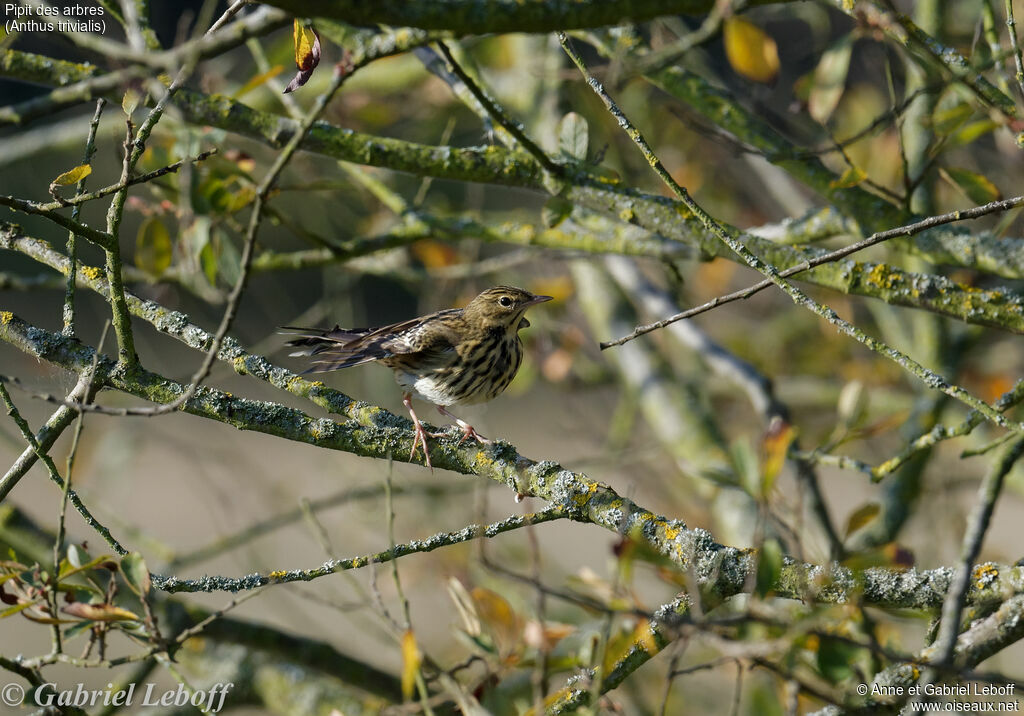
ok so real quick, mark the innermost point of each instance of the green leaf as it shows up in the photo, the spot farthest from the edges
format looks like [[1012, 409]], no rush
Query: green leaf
[[73, 176], [850, 178], [830, 79], [11, 611], [950, 119], [555, 211], [91, 564], [835, 659], [852, 407], [229, 260], [196, 236], [153, 249], [75, 556], [573, 136], [130, 101], [972, 131], [208, 262], [977, 187], [769, 566], [77, 628], [136, 574]]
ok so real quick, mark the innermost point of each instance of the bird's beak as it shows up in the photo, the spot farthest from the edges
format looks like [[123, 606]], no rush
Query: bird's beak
[[537, 299]]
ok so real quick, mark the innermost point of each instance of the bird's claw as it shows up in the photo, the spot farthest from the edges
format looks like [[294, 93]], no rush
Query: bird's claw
[[420, 438], [468, 431]]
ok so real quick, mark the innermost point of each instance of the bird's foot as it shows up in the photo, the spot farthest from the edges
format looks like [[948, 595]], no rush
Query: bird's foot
[[468, 431], [420, 435]]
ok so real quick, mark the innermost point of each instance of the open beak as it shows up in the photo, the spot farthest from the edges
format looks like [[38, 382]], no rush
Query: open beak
[[537, 299]]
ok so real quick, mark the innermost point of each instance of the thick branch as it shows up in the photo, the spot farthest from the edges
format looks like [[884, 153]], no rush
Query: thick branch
[[371, 431]]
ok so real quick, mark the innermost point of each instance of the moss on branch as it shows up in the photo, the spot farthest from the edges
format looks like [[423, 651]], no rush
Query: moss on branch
[[373, 432]]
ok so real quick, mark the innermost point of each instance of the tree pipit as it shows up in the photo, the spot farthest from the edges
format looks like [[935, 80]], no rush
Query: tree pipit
[[459, 356]]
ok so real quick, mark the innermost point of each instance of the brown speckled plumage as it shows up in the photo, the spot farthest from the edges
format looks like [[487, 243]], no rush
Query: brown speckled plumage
[[458, 356]]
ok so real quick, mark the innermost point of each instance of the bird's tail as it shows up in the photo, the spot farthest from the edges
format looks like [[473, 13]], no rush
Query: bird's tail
[[330, 348]]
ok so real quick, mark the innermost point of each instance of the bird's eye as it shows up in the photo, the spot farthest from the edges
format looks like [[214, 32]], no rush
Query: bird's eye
[[505, 301]]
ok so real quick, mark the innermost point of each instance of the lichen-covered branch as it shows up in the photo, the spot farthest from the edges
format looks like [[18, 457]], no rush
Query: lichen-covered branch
[[371, 431], [660, 215], [174, 584]]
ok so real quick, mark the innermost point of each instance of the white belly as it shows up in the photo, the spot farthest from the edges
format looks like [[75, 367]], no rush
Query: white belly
[[426, 387]]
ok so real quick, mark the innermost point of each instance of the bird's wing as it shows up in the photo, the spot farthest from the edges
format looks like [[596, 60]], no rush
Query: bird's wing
[[342, 348]]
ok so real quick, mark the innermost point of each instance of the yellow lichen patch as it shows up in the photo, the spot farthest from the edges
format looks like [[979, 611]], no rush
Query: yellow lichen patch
[[671, 532], [915, 672], [683, 211], [881, 276], [582, 498], [238, 364], [627, 214], [483, 460], [92, 273], [984, 575], [6, 317], [278, 574]]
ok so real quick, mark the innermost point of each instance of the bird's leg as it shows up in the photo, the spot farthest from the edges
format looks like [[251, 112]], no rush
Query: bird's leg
[[421, 434], [468, 431]]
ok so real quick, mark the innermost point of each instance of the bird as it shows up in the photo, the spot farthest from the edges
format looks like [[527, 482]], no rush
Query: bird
[[458, 356]]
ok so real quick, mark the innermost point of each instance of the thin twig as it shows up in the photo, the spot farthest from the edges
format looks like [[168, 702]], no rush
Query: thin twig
[[80, 198], [442, 539], [248, 250], [730, 239], [498, 114], [69, 292], [1011, 26], [55, 474], [977, 526], [877, 238]]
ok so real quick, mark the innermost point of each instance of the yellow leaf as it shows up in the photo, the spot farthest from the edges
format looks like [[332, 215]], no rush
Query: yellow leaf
[[851, 177], [775, 447], [304, 39], [258, 81], [750, 50], [861, 516], [497, 615], [411, 660], [560, 288], [73, 176], [307, 55], [100, 612], [434, 254]]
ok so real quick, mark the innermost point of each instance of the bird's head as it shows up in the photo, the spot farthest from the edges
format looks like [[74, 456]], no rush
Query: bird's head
[[502, 306]]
